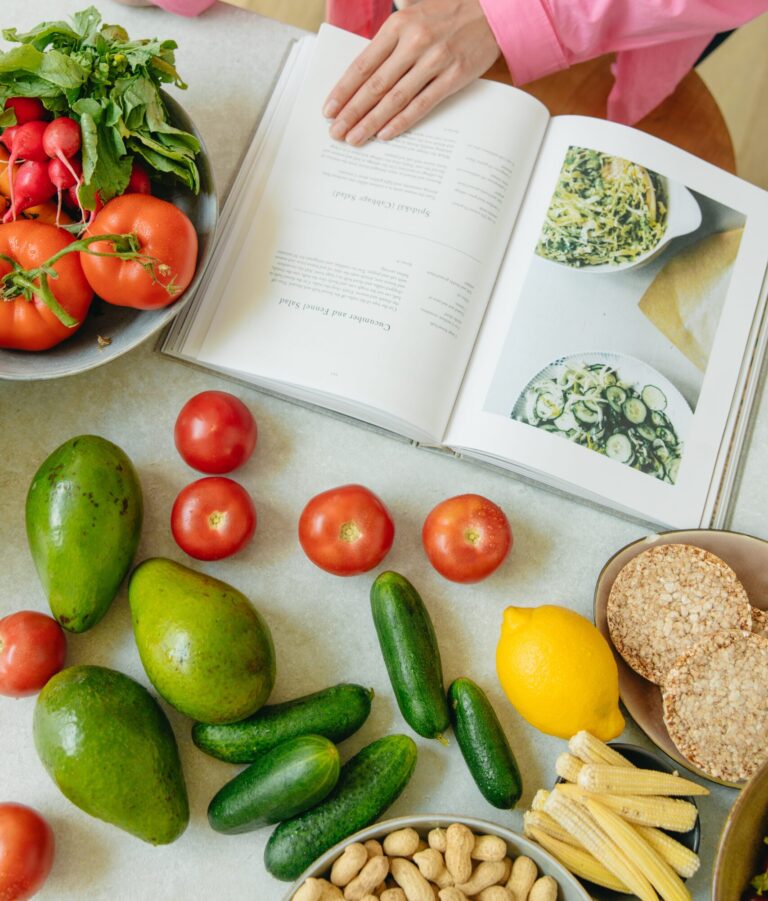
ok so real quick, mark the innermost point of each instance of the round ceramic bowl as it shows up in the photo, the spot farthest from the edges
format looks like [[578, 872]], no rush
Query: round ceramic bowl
[[683, 217], [125, 328], [648, 760], [741, 852], [570, 888]]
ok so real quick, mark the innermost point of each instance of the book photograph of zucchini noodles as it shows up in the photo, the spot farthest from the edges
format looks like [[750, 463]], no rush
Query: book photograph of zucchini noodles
[[588, 401], [605, 211]]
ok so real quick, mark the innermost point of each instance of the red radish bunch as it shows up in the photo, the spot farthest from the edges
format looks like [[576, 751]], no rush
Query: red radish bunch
[[50, 165]]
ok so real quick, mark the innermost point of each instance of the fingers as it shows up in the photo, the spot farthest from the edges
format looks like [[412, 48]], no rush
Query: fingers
[[435, 92], [372, 111], [360, 71]]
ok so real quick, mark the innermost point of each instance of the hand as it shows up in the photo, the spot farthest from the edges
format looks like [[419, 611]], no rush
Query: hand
[[421, 55]]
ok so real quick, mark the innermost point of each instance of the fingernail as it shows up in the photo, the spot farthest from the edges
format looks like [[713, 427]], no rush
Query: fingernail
[[331, 108], [338, 130], [356, 136], [386, 133]]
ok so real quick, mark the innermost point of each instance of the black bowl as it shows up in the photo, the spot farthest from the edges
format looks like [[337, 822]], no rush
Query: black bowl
[[648, 760]]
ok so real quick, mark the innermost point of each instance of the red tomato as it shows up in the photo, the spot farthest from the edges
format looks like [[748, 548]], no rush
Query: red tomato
[[215, 432], [26, 851], [32, 649], [466, 537], [165, 233], [346, 531], [29, 324], [213, 518]]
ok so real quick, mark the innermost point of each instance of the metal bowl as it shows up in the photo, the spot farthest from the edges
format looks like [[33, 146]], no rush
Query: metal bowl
[[125, 328], [741, 849], [570, 888]]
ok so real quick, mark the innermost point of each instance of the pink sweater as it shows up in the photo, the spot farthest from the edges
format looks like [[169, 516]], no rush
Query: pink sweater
[[657, 41]]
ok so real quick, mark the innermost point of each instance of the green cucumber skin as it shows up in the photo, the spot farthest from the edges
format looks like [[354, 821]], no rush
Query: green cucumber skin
[[335, 713], [412, 657], [368, 784], [484, 745], [288, 780]]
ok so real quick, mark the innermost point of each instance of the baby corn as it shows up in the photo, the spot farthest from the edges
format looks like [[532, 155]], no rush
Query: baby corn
[[543, 822], [683, 861], [539, 799], [665, 813], [568, 767], [603, 778], [580, 862], [663, 878], [590, 749], [575, 818]]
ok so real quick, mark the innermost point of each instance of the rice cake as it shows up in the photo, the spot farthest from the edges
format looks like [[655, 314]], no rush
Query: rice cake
[[716, 704], [665, 599], [760, 622]]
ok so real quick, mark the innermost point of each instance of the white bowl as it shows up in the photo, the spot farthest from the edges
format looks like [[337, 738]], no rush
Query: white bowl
[[125, 327], [683, 217], [570, 888]]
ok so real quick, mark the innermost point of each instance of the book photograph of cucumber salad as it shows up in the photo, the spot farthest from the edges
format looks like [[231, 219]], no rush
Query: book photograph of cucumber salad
[[613, 404], [605, 212]]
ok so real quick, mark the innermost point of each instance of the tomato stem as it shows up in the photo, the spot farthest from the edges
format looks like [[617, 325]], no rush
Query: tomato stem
[[349, 532], [30, 283]]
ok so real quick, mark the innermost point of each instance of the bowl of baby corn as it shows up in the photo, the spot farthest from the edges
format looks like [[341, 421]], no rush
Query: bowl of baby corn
[[424, 858], [620, 817]]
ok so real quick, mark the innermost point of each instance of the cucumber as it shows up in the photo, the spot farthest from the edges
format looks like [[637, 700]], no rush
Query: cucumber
[[286, 781], [411, 654], [368, 784], [334, 713], [484, 745]]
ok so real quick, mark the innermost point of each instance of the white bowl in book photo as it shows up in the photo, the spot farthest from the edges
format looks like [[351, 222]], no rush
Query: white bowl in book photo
[[608, 214], [613, 404], [110, 331]]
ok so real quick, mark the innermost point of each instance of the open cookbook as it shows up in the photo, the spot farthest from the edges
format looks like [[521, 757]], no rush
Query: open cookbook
[[570, 299]]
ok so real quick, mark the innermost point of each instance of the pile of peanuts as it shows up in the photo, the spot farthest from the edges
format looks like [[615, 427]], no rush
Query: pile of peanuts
[[453, 864]]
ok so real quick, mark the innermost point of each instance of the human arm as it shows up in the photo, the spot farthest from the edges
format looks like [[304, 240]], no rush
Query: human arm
[[426, 52]]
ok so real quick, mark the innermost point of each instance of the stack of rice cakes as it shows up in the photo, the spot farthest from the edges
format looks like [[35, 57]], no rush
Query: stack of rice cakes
[[680, 618]]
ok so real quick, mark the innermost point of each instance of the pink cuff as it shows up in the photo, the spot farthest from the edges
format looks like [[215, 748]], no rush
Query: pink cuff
[[184, 7], [526, 36]]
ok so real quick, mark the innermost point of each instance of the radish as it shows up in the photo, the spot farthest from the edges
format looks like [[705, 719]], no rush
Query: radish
[[27, 109], [61, 138], [26, 143], [7, 136], [32, 186], [64, 175], [61, 141], [139, 182]]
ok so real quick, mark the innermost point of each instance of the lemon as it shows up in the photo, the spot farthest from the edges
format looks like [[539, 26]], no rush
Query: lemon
[[558, 672]]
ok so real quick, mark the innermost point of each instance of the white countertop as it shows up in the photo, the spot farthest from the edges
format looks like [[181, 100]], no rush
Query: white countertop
[[321, 624]]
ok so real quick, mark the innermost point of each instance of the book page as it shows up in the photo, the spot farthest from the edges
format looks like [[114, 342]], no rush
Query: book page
[[612, 352], [365, 272]]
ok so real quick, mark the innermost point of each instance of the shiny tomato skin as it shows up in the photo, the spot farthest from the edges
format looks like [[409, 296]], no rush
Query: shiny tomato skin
[[466, 537], [213, 518], [164, 232], [30, 325], [26, 851], [346, 530], [32, 649], [215, 432]]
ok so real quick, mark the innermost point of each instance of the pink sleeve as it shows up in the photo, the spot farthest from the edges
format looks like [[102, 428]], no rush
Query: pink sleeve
[[541, 36], [184, 7]]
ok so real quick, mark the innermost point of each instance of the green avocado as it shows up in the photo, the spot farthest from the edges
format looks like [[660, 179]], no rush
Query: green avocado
[[204, 647], [84, 512], [110, 749]]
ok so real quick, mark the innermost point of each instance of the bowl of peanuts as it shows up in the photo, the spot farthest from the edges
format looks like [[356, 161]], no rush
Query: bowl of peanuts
[[437, 858]]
